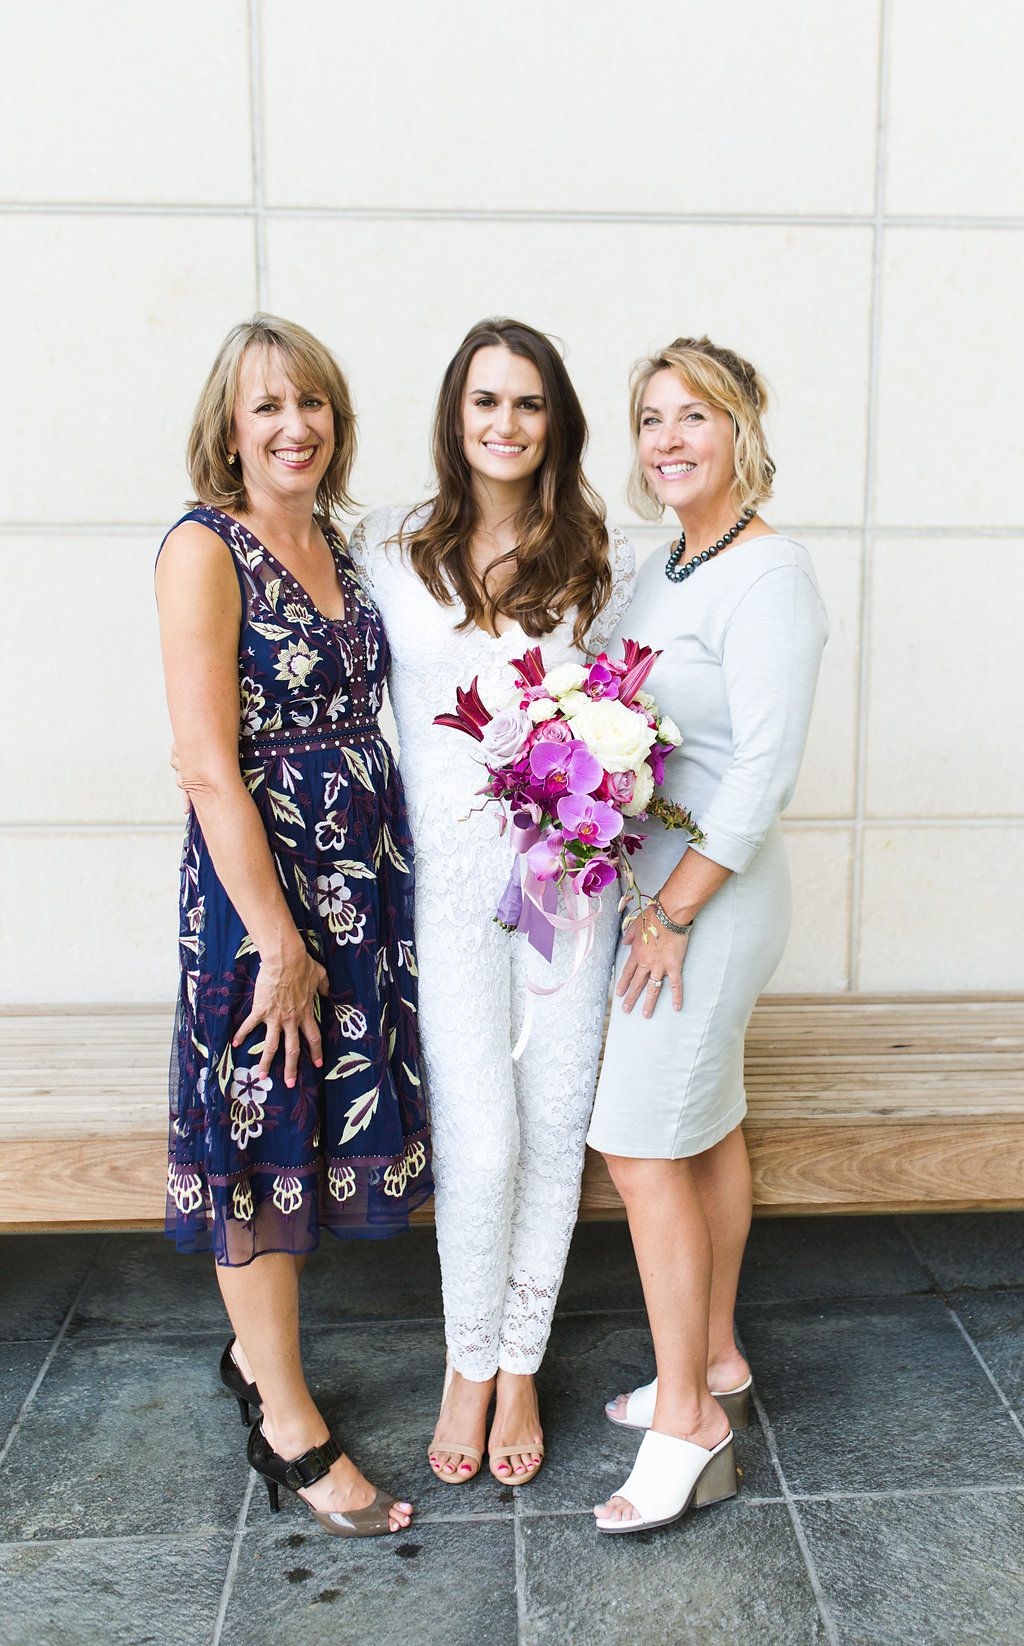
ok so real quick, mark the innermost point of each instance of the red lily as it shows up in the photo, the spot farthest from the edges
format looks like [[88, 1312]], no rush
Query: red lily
[[472, 715], [530, 669], [639, 661]]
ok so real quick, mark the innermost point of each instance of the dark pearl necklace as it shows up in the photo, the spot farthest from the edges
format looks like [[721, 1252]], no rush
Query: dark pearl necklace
[[678, 574]]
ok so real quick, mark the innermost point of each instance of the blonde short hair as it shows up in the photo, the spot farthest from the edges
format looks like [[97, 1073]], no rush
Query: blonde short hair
[[310, 366], [725, 381]]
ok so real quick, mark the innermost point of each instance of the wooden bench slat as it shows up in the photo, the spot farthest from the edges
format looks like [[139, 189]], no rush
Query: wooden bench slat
[[855, 1104]]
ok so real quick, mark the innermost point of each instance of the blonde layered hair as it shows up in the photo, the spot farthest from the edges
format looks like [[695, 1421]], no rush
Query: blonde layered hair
[[726, 381], [311, 368]]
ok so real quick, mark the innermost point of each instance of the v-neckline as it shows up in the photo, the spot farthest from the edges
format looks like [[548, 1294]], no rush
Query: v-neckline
[[290, 576]]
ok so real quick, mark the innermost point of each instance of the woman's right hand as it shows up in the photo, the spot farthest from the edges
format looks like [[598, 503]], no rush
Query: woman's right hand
[[284, 999]]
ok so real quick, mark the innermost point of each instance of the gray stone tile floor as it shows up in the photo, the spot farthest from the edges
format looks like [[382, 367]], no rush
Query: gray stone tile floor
[[882, 1493]]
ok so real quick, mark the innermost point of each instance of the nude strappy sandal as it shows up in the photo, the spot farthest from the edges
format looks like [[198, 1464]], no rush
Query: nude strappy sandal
[[452, 1445], [512, 1479]]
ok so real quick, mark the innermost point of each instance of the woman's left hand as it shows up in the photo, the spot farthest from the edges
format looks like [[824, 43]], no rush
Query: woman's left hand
[[655, 958]]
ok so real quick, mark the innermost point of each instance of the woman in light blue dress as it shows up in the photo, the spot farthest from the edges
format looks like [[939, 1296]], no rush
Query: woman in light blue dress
[[735, 610]]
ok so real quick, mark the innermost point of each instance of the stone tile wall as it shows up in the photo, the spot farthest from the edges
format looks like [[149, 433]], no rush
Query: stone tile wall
[[831, 190]]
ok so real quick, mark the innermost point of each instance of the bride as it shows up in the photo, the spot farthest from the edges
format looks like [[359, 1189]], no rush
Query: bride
[[512, 552]]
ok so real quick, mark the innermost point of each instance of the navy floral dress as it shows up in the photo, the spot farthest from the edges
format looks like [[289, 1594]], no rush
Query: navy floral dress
[[255, 1166]]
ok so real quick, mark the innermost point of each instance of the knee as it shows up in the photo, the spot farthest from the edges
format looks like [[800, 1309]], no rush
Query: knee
[[628, 1176], [640, 1181], [481, 1168]]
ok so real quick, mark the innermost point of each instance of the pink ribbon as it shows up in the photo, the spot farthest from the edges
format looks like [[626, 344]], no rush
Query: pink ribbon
[[530, 905]]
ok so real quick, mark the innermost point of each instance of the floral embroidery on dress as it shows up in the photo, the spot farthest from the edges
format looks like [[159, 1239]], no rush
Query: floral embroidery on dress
[[255, 1165]]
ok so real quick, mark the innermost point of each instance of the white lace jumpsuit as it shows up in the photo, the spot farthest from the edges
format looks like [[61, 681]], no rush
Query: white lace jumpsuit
[[508, 1139]]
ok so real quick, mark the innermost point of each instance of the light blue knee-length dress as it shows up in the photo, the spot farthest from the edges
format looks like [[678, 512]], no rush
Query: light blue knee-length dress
[[741, 642]]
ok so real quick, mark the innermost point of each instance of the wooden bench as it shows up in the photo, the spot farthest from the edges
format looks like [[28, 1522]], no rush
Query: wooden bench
[[856, 1104]]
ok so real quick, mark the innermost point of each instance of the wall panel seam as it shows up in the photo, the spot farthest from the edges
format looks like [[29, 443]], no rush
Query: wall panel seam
[[863, 665], [402, 214], [258, 189]]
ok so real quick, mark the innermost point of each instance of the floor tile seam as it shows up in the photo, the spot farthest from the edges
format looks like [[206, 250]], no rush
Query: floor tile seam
[[231, 1570], [986, 1368], [216, 1333], [898, 1492], [827, 1621], [519, 1568], [262, 1528], [740, 1501], [746, 1305], [88, 1539], [506, 1516], [965, 1334], [26, 1405]]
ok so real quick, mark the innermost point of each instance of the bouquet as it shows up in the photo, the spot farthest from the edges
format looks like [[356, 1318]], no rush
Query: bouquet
[[573, 762]]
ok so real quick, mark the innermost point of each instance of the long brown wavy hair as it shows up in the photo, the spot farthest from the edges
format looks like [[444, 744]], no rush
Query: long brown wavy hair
[[561, 557]]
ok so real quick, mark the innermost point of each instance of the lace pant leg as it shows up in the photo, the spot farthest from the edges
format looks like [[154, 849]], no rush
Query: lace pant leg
[[555, 1082], [464, 1023]]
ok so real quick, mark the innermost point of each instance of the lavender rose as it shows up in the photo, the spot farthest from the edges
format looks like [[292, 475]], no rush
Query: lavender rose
[[505, 736]]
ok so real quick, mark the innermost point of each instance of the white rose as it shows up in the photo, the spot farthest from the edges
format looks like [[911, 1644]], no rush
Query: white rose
[[572, 702], [542, 708], [668, 732], [505, 737], [615, 735], [567, 677], [645, 700], [642, 791]]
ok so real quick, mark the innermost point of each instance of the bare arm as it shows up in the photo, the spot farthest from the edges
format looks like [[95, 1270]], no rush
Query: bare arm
[[200, 617]]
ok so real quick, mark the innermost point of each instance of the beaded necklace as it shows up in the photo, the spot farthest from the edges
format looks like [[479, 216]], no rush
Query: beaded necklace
[[678, 574]]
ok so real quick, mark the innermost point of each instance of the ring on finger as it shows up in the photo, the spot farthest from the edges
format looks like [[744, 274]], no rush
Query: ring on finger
[[656, 982]]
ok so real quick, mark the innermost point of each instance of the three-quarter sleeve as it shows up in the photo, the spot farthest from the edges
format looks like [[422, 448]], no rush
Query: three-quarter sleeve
[[771, 652]]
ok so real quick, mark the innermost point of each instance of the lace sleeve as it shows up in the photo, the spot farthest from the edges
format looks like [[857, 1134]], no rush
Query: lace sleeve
[[366, 544], [622, 557]]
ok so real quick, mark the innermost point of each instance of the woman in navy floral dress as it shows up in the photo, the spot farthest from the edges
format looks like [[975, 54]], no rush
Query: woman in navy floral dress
[[296, 1093]]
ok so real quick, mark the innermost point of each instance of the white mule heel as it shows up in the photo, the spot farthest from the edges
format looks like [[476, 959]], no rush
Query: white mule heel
[[670, 1476], [639, 1408], [735, 1403]]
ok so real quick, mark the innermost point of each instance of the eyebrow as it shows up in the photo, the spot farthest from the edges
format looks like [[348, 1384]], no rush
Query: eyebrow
[[270, 394], [688, 405], [494, 395]]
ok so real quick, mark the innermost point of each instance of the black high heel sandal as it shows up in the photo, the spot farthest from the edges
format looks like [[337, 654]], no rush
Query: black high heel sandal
[[306, 1471], [246, 1394]]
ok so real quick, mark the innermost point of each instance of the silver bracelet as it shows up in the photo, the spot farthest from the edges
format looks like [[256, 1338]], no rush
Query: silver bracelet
[[670, 925]]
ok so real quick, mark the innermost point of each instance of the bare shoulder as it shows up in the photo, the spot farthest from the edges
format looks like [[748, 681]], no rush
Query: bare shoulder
[[192, 549], [195, 575]]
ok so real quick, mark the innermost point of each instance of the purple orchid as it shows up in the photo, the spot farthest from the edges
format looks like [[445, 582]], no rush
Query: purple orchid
[[565, 768], [545, 858], [591, 821], [594, 877], [602, 680]]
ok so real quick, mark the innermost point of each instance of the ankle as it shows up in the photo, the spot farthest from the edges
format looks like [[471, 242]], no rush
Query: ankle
[[691, 1417], [291, 1438], [726, 1367]]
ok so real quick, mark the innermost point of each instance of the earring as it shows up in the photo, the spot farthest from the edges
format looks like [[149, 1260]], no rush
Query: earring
[[232, 457]]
